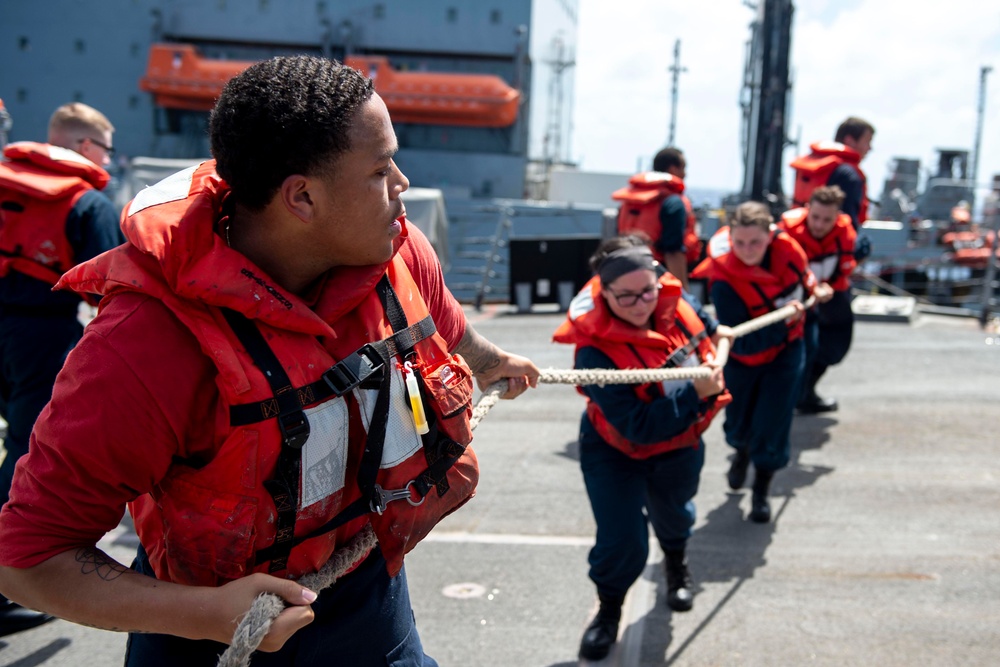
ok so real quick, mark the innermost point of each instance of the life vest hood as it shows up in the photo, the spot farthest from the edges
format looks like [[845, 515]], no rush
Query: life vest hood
[[590, 318], [170, 229]]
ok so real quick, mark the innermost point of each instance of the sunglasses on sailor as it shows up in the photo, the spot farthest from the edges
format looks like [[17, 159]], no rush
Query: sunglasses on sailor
[[629, 299], [110, 150]]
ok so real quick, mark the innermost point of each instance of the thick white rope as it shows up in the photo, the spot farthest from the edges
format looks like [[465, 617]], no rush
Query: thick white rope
[[253, 627]]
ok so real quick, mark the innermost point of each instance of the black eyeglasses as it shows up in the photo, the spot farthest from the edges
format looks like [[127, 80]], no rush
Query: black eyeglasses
[[109, 149], [628, 299]]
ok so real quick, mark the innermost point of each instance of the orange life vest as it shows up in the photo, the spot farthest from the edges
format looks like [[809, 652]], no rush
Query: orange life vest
[[677, 339], [39, 185], [814, 170], [783, 276], [291, 459], [831, 258], [640, 211]]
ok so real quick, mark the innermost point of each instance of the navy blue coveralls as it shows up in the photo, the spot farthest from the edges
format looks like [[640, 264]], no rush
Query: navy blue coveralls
[[621, 487], [759, 419]]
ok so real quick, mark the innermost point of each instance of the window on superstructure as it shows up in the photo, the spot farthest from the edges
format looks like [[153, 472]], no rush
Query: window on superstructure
[[452, 15], [496, 16], [379, 11]]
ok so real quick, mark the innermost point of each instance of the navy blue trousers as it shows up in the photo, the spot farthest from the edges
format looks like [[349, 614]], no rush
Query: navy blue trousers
[[626, 495], [32, 352], [760, 417], [364, 619], [835, 321]]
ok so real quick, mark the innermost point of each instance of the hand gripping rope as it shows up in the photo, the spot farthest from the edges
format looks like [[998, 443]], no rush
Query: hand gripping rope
[[253, 627]]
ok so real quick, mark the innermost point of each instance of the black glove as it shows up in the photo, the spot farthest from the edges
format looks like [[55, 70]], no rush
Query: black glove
[[862, 247]]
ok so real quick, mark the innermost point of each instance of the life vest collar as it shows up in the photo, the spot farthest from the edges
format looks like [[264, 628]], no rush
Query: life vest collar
[[55, 160], [172, 224], [836, 148], [590, 317]]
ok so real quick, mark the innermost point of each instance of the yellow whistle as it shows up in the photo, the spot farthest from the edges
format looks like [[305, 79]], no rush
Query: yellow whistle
[[416, 405]]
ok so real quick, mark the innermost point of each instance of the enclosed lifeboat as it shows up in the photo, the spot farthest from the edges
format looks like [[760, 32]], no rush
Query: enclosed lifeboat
[[180, 78]]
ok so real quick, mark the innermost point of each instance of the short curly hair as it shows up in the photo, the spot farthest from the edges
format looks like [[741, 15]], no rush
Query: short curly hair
[[283, 116]]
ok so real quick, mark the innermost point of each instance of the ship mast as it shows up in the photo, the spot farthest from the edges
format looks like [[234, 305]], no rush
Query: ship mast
[[676, 70]]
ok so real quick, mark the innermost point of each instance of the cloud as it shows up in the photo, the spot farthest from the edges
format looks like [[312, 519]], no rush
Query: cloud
[[913, 73]]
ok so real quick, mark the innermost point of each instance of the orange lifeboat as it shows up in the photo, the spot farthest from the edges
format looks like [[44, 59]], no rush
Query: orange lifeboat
[[180, 78], [437, 98]]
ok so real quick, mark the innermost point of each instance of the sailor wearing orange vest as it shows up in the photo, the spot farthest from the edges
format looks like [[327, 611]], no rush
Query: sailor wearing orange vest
[[276, 365], [753, 268], [655, 207], [641, 451], [52, 216], [839, 163], [827, 237]]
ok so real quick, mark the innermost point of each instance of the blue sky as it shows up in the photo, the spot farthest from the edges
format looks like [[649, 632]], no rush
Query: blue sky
[[913, 74]]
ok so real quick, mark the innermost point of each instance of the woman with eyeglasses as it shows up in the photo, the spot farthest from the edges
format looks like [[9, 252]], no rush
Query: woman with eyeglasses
[[641, 451], [753, 268]]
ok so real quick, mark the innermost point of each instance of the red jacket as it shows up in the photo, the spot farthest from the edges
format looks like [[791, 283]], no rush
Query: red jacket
[[831, 258], [814, 170], [640, 211], [783, 276], [211, 522], [39, 185], [676, 329]]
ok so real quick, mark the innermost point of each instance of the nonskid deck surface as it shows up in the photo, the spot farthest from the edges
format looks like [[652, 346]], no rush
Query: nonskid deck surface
[[884, 550]]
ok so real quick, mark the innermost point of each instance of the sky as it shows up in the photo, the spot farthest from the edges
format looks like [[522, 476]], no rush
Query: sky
[[914, 75]]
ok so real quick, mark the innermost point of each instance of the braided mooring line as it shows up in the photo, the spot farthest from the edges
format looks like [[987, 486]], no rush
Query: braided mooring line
[[252, 629]]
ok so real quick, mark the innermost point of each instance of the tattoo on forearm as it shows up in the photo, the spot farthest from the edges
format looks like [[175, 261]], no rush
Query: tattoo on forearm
[[481, 355], [96, 561]]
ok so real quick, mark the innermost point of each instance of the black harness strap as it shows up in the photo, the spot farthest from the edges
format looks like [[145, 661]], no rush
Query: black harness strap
[[681, 354], [294, 427], [371, 459], [362, 368]]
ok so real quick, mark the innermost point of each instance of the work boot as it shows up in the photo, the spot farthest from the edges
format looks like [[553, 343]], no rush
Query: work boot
[[812, 403], [15, 618], [737, 474], [760, 509], [680, 597], [602, 632]]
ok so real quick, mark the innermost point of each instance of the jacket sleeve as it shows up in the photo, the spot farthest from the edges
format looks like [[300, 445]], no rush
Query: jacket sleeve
[[92, 227], [731, 310], [420, 258], [638, 421], [711, 324]]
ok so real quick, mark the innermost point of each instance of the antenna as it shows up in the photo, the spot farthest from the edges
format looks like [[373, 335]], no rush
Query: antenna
[[983, 71], [676, 70]]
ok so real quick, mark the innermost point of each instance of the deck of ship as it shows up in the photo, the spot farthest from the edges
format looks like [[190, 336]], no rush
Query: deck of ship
[[884, 551]]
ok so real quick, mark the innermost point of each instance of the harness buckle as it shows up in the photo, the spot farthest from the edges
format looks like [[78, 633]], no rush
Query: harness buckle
[[294, 429], [348, 373]]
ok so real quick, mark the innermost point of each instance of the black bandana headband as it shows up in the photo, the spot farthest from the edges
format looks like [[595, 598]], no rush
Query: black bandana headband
[[625, 260]]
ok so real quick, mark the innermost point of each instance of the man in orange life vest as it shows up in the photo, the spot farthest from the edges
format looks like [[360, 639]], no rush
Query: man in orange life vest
[[52, 216], [655, 207], [839, 163], [827, 237], [247, 388]]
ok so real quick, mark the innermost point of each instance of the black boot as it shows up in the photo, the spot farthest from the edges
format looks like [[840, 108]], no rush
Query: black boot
[[737, 474], [680, 596], [15, 618], [812, 403], [602, 632], [760, 509]]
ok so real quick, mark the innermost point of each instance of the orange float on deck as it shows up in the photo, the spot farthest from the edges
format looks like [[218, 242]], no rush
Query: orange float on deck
[[180, 78]]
